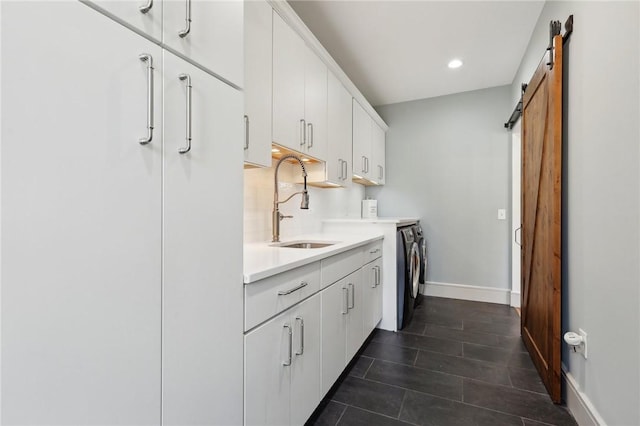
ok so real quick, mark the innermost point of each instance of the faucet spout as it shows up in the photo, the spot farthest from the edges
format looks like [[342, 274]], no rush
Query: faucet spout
[[276, 216]]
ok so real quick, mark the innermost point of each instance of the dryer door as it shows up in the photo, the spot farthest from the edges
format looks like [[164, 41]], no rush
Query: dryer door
[[415, 270]]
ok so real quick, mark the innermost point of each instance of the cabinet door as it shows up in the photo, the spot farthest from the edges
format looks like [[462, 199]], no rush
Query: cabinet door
[[361, 142], [203, 301], [377, 172], [315, 109], [258, 25], [144, 15], [355, 303], [289, 53], [209, 33], [267, 379], [305, 371], [372, 295], [81, 212], [339, 133], [334, 333]]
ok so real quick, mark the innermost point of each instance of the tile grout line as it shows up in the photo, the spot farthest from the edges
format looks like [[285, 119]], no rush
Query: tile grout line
[[344, 410], [404, 396]]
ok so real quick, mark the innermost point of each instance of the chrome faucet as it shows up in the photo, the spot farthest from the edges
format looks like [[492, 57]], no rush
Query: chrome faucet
[[276, 216]]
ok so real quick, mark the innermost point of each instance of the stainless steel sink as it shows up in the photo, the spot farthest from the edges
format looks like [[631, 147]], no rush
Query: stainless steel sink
[[304, 244]]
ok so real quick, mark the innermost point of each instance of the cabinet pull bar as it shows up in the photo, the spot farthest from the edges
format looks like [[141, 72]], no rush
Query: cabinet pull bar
[[187, 30], [374, 251], [377, 276], [187, 148], [381, 174], [310, 137], [353, 296], [345, 301], [340, 167], [145, 57], [291, 290], [364, 162], [246, 132], [147, 7], [301, 351], [288, 361], [346, 170], [303, 133]]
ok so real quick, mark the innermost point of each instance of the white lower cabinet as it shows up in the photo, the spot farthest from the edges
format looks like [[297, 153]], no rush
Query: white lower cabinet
[[341, 327], [372, 295], [282, 367]]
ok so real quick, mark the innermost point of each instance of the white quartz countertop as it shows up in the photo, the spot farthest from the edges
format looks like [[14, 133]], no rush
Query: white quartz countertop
[[261, 260], [398, 220]]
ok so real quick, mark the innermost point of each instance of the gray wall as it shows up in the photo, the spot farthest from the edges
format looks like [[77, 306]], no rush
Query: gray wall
[[601, 187], [448, 162]]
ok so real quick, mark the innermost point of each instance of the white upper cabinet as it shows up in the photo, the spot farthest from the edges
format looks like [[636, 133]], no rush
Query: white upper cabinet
[[299, 93], [289, 53], [378, 153], [202, 299], [81, 218], [144, 15], [208, 32], [258, 30], [315, 105], [339, 133], [368, 148], [361, 142]]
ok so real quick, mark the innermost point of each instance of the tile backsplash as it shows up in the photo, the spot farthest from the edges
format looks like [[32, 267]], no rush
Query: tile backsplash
[[324, 203]]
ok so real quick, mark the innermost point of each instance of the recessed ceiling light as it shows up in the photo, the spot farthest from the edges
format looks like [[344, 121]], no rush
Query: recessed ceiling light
[[455, 63], [305, 160], [275, 150]]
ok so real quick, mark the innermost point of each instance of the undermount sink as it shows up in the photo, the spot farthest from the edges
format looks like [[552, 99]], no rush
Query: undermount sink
[[304, 244]]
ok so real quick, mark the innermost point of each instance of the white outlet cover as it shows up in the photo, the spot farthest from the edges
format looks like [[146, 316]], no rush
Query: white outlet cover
[[502, 214], [583, 333]]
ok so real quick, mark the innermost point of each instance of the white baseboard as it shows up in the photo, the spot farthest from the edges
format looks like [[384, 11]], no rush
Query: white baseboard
[[515, 299], [467, 292], [578, 403]]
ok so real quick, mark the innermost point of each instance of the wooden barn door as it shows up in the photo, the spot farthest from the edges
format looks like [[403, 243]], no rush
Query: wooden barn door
[[541, 217]]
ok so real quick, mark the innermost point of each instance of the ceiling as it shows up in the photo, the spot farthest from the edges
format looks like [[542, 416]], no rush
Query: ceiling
[[396, 51]]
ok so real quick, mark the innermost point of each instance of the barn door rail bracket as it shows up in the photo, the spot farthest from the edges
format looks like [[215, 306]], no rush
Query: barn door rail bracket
[[517, 112], [568, 29], [554, 29]]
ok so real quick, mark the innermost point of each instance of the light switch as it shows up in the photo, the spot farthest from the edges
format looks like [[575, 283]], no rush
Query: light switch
[[502, 214]]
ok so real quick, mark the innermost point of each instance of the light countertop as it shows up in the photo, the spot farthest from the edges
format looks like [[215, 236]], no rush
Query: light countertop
[[400, 221], [262, 261]]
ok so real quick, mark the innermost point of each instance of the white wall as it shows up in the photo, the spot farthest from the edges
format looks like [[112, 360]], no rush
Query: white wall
[[324, 203], [448, 163], [601, 196]]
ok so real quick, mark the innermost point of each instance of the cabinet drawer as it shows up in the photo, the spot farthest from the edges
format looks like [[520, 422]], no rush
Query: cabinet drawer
[[340, 265], [373, 251], [266, 298]]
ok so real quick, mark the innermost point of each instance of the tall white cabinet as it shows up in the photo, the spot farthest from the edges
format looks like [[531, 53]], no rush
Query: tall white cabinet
[[81, 219], [201, 264], [116, 277]]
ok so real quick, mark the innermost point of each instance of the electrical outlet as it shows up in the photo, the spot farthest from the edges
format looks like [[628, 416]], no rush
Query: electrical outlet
[[502, 214], [583, 333]]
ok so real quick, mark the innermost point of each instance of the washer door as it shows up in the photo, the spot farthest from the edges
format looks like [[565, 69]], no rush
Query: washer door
[[414, 268]]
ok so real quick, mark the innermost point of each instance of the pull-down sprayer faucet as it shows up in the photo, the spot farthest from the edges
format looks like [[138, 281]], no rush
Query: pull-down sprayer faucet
[[276, 216]]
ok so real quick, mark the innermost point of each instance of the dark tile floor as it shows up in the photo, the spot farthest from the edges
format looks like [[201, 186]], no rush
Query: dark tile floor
[[457, 363]]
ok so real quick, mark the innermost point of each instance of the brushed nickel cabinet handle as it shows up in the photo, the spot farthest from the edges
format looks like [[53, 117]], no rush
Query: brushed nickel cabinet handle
[[187, 30], [340, 162], [187, 148], [301, 351], [147, 7], [310, 135], [345, 301], [296, 288], [353, 296], [303, 133], [346, 169], [364, 164], [381, 172], [288, 361], [145, 57], [246, 132]]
